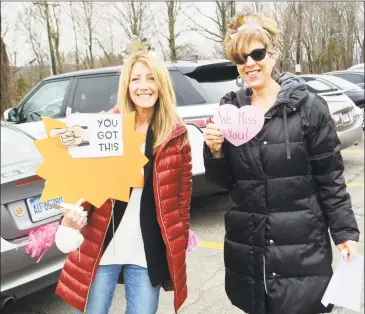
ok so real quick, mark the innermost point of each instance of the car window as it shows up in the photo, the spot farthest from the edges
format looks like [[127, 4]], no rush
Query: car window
[[185, 92], [214, 81], [214, 91], [353, 78], [315, 86], [95, 93], [341, 83], [45, 101]]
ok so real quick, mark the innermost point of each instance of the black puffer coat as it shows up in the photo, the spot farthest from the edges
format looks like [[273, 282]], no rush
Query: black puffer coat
[[286, 189]]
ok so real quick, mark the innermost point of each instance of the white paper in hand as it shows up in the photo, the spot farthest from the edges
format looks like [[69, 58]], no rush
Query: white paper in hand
[[345, 286]]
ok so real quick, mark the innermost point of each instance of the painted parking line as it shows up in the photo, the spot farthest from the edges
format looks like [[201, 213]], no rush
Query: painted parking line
[[352, 151], [211, 245], [355, 184]]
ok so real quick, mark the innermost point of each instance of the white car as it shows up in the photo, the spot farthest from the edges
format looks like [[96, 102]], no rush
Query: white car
[[359, 66], [343, 110]]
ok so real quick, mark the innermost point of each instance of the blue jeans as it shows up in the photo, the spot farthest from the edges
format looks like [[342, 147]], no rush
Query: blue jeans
[[141, 297]]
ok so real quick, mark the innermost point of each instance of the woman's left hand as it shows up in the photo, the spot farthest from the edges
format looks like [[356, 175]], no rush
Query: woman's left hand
[[350, 247]]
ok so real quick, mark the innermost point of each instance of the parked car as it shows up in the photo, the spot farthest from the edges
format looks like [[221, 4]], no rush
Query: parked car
[[199, 86], [353, 76], [343, 110], [20, 213], [359, 66], [353, 91]]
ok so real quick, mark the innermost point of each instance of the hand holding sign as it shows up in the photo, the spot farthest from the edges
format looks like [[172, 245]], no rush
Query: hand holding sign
[[214, 139], [239, 125]]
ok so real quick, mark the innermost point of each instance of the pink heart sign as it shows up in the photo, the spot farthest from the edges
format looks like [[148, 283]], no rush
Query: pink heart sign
[[239, 125]]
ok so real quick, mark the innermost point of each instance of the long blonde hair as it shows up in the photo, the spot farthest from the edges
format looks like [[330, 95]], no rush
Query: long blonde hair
[[242, 40], [165, 115]]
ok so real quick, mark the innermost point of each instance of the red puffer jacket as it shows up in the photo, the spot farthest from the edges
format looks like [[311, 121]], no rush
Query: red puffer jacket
[[172, 187]]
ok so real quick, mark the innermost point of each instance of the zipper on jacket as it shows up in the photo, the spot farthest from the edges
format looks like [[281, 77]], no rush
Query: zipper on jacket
[[263, 257], [179, 133], [101, 248], [160, 213]]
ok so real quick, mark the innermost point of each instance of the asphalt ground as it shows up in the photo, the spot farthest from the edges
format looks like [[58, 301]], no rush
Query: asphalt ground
[[206, 294]]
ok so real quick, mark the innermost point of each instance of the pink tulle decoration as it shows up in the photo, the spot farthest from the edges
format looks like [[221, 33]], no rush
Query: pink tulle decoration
[[192, 242], [41, 239]]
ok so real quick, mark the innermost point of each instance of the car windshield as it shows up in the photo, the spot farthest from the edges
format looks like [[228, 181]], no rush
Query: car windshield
[[316, 87], [341, 83]]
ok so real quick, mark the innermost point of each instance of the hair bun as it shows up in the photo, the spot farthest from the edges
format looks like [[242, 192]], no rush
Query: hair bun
[[138, 45]]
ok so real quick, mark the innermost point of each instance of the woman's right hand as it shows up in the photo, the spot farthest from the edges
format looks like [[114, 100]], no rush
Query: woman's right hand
[[75, 220], [214, 139]]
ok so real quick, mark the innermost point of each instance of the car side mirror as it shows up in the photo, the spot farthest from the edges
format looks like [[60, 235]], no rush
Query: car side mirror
[[11, 115], [361, 85]]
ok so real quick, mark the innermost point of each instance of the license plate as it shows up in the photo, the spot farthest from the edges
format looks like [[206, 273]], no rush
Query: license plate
[[39, 211], [346, 118]]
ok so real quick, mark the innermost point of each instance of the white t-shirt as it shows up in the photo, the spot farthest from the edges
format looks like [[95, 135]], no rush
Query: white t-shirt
[[126, 246]]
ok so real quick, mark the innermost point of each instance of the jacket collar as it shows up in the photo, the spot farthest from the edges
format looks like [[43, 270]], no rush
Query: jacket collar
[[178, 130]]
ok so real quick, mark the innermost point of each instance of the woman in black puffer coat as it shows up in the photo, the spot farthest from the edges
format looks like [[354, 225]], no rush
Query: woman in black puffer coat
[[286, 185]]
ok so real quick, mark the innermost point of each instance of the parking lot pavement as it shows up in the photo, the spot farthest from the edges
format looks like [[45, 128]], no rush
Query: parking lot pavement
[[206, 292]]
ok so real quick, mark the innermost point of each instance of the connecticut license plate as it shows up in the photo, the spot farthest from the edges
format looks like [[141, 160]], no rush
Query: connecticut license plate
[[39, 211]]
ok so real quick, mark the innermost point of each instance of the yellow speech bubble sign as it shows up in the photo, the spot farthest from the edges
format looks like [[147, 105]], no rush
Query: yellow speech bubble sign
[[93, 179]]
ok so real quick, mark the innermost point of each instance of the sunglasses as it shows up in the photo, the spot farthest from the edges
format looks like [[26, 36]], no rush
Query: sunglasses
[[256, 54]]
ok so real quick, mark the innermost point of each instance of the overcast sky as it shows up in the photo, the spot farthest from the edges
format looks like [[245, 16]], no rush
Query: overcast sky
[[16, 38]]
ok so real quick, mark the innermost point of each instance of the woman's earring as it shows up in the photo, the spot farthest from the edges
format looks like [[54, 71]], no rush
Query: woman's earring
[[274, 73], [239, 81]]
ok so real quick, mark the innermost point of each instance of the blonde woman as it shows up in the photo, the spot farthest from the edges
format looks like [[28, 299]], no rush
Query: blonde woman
[[286, 185], [143, 241]]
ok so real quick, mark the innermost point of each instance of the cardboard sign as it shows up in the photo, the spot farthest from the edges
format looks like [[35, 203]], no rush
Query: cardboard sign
[[94, 179], [239, 125], [104, 131]]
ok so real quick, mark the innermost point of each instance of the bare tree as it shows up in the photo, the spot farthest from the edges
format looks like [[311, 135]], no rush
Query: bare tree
[[4, 25], [44, 12], [29, 20], [224, 11], [133, 18], [5, 81], [73, 16], [88, 10], [298, 10], [173, 9], [286, 37], [157, 33], [360, 34]]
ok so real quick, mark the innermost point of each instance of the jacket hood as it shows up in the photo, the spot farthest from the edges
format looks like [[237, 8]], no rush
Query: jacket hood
[[292, 94]]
